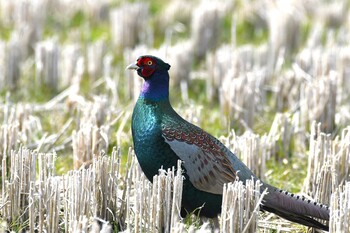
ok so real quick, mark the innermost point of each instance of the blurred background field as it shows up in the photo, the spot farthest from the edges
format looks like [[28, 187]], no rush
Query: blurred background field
[[271, 79]]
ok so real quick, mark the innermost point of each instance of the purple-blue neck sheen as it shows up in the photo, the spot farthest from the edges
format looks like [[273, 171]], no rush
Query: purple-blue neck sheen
[[156, 87]]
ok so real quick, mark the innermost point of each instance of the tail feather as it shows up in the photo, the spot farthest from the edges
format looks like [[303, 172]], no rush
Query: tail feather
[[304, 220], [295, 208]]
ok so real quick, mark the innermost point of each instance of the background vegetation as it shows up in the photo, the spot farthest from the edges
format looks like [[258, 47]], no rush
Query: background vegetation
[[269, 78]]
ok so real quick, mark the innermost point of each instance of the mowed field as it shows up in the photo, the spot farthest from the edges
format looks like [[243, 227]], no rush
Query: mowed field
[[270, 79]]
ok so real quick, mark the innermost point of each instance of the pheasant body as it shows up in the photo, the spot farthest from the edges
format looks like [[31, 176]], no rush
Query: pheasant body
[[162, 137], [153, 153]]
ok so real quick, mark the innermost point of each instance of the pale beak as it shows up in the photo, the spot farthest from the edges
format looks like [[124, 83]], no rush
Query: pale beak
[[132, 66]]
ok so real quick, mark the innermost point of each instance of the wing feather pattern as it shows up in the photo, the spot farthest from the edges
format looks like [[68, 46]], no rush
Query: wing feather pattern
[[204, 158]]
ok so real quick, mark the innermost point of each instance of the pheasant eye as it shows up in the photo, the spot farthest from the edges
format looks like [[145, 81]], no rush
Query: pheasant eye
[[149, 63]]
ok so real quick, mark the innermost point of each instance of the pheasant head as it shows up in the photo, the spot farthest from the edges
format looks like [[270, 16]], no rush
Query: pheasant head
[[155, 73], [147, 65]]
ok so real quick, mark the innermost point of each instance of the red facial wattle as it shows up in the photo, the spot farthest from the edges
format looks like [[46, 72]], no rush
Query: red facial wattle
[[147, 67], [147, 71]]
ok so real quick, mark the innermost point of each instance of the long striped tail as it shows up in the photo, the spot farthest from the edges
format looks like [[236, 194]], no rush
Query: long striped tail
[[295, 208]]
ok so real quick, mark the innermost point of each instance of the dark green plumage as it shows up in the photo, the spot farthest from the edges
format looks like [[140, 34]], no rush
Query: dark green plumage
[[161, 137], [153, 153]]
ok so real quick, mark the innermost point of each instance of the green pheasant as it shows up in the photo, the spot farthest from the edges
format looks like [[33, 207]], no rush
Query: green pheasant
[[162, 137]]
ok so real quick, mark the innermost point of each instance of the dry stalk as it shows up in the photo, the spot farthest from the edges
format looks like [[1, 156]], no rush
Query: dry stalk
[[128, 25], [205, 27], [340, 209], [239, 96], [240, 207], [328, 165], [16, 185], [71, 65], [10, 60], [157, 206], [47, 55], [91, 139], [318, 101], [252, 149], [95, 54]]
